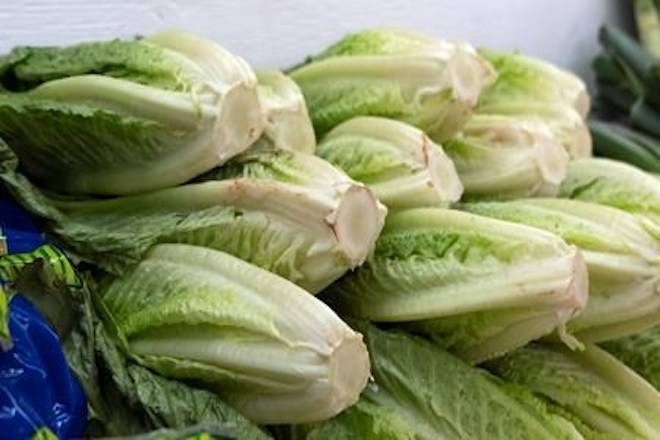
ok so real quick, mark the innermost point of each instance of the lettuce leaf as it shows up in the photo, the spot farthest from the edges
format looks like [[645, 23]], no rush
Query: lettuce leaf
[[423, 392], [641, 352], [608, 397]]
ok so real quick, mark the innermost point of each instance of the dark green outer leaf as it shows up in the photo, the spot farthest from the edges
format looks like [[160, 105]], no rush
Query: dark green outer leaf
[[423, 392]]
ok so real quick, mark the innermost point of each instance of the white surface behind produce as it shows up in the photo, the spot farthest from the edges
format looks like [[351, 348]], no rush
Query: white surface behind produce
[[279, 33]]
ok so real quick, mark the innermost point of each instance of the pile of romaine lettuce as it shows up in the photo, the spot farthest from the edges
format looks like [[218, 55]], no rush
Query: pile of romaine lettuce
[[400, 238]]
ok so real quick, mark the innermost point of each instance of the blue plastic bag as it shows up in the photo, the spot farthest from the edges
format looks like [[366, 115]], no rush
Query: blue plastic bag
[[37, 388], [39, 395]]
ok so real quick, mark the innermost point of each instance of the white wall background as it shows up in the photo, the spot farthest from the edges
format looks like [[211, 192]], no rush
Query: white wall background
[[279, 33]]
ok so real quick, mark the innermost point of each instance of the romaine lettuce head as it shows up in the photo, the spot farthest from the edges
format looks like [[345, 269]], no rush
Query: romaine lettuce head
[[527, 78], [607, 397], [623, 261], [399, 74], [422, 392], [478, 286], [276, 353], [287, 122], [291, 213], [503, 157], [399, 163], [529, 87], [616, 184], [124, 397], [120, 117], [641, 352], [564, 122], [288, 212]]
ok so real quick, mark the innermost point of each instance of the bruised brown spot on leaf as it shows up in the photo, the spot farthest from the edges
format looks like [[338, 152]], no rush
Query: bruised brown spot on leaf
[[425, 149], [333, 228]]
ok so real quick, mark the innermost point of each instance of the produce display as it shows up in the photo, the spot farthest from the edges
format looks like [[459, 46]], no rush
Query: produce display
[[399, 238]]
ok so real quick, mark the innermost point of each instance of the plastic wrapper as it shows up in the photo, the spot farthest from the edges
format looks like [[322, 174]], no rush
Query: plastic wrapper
[[39, 396]]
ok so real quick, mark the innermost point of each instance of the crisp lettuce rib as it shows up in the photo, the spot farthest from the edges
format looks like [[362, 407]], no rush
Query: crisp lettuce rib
[[122, 117], [479, 286], [398, 162]]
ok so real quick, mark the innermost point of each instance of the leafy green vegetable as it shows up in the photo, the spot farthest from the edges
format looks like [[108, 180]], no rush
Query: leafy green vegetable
[[120, 117], [478, 286], [423, 392], [615, 184], [431, 84], [126, 389], [287, 122], [401, 165], [167, 403], [527, 78], [288, 212], [641, 352], [608, 397], [124, 398], [275, 352], [529, 87], [499, 157], [623, 261]]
